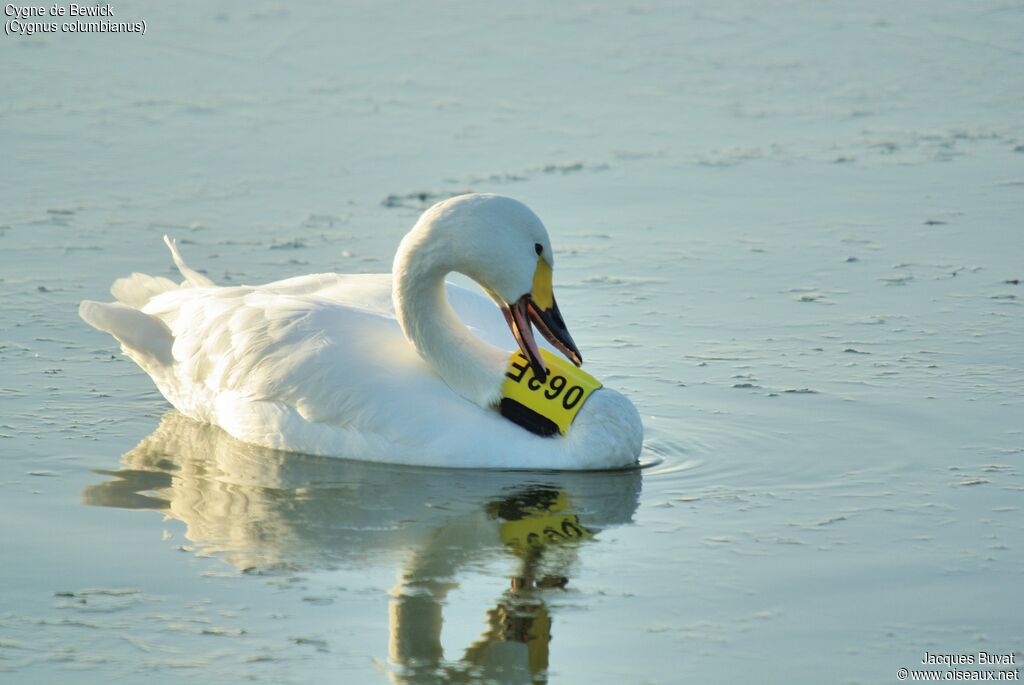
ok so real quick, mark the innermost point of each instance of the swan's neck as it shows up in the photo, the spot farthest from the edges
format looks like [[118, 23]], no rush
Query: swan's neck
[[470, 367]]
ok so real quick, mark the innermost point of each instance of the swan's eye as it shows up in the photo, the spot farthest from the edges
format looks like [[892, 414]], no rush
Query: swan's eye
[[538, 247]]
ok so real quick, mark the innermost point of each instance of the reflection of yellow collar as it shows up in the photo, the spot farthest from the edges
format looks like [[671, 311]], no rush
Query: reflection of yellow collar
[[545, 408], [542, 526]]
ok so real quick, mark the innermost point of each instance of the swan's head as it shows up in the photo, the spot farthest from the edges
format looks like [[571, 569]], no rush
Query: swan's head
[[502, 245]]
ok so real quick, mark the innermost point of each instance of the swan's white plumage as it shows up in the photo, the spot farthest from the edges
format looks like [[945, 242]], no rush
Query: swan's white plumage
[[319, 364]]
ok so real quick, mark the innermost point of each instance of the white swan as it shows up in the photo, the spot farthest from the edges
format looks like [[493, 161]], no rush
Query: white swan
[[319, 363]]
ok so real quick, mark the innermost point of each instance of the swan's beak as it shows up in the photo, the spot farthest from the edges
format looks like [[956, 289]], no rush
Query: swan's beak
[[539, 308]]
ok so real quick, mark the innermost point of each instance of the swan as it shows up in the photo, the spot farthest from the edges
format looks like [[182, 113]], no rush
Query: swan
[[398, 368]]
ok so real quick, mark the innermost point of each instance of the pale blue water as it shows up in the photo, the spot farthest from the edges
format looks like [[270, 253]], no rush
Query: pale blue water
[[791, 233]]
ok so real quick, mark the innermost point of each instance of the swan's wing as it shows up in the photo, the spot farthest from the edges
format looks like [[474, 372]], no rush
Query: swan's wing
[[327, 345], [372, 293]]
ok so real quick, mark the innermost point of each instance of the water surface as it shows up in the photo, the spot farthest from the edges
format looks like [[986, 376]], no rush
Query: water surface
[[789, 233]]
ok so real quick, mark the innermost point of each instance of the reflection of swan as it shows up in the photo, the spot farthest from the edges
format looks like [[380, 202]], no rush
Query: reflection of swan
[[265, 511], [395, 368]]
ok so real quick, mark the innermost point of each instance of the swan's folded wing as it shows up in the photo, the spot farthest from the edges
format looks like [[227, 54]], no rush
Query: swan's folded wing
[[311, 347]]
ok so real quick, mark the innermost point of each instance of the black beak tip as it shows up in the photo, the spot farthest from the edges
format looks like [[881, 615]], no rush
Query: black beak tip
[[551, 325]]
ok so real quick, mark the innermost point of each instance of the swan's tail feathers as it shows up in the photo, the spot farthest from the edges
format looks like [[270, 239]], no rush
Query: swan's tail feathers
[[192, 277], [138, 289], [143, 337]]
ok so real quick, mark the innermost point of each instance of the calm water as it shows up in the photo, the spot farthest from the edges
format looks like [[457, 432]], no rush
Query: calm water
[[791, 233]]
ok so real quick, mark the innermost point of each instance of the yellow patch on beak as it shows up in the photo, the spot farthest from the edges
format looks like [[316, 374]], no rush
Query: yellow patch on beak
[[541, 293]]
